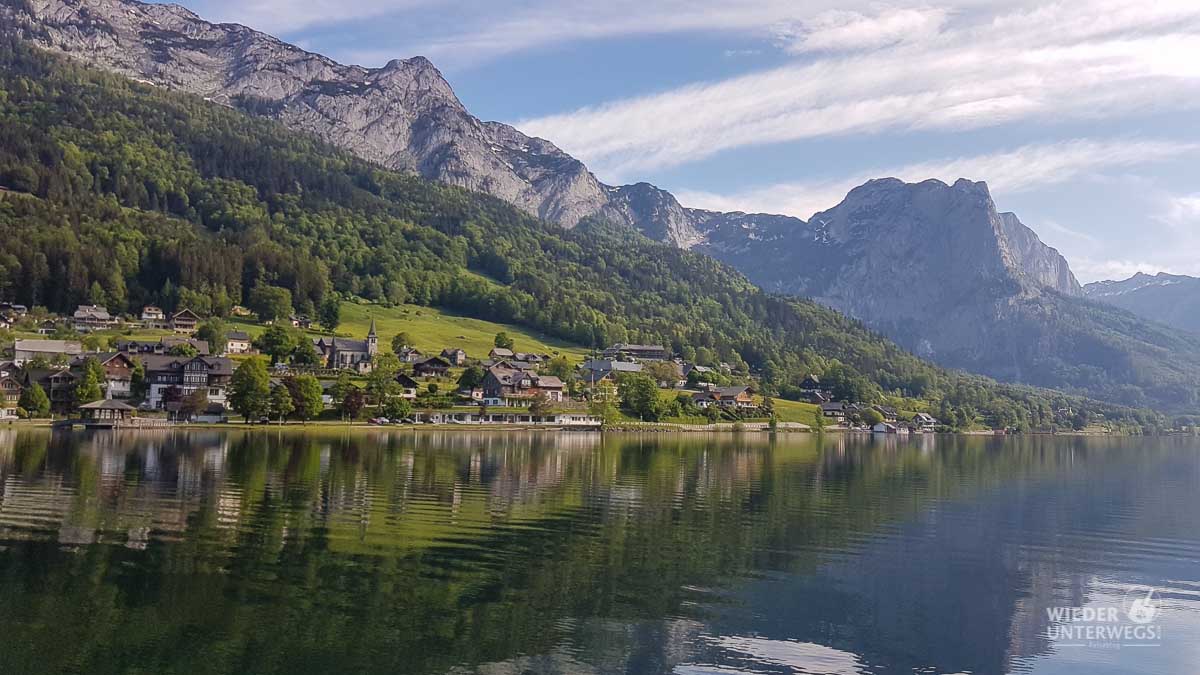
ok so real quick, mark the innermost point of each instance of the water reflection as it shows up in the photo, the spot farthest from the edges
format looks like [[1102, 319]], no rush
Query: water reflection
[[463, 552]]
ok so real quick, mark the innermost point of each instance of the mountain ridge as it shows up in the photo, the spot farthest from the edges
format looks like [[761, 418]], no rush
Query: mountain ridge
[[983, 292], [1171, 299]]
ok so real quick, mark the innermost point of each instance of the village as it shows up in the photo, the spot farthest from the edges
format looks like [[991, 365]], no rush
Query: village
[[160, 368]]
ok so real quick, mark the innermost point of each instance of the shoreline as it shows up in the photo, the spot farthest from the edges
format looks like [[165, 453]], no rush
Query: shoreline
[[623, 427]]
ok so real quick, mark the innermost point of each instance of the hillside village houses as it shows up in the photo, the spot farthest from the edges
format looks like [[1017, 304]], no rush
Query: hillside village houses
[[506, 387], [726, 397]]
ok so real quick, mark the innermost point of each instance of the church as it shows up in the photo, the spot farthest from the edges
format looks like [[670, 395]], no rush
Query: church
[[345, 353]]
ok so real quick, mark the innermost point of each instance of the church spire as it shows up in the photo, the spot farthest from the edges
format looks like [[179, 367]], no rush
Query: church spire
[[372, 339]]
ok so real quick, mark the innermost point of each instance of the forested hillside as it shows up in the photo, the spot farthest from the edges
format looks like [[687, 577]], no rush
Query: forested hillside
[[122, 194]]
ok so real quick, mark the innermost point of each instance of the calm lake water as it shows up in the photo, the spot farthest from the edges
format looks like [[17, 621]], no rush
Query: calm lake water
[[232, 552]]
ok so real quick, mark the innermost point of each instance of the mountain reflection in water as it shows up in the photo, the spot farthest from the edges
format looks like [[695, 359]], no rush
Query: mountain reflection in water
[[264, 552]]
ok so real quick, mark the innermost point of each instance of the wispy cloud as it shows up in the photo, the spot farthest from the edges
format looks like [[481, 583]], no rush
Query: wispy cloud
[[1014, 171], [843, 30], [1085, 60]]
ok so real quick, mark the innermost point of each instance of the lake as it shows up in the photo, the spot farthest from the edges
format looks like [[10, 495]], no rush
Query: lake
[[462, 552]]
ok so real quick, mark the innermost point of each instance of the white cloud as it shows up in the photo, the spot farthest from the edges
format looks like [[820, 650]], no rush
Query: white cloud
[[1183, 212], [1083, 60], [843, 30], [1088, 270], [1014, 171]]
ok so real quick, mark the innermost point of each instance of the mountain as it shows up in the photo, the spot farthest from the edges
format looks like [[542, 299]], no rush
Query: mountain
[[935, 267], [1172, 299], [199, 206]]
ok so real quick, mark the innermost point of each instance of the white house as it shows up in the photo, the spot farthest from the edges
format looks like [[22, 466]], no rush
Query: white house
[[237, 342]]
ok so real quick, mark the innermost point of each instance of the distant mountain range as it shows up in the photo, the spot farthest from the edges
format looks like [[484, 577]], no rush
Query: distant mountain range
[[1172, 299], [934, 266]]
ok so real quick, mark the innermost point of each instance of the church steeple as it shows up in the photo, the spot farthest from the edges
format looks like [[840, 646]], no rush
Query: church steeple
[[372, 339]]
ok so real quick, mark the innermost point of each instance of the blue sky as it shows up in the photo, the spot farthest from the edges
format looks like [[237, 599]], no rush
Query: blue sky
[[1081, 114]]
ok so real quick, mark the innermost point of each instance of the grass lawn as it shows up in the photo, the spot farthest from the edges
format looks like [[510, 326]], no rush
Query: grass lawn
[[434, 330], [794, 411], [431, 329]]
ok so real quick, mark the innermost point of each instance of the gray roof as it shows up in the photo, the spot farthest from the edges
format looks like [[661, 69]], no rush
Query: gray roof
[[107, 405], [159, 362], [606, 365], [48, 346], [92, 312], [237, 335], [343, 344]]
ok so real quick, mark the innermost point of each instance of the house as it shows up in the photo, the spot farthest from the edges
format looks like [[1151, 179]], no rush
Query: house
[[639, 352], [10, 394], [700, 371], [238, 342], [300, 321], [175, 377], [410, 355], [925, 422], [154, 317], [455, 356], [107, 412], [599, 370], [58, 384], [506, 387], [118, 372], [532, 359], [812, 383], [836, 411], [500, 354], [10, 309], [89, 318], [812, 396], [885, 428], [25, 351], [511, 365], [725, 397], [889, 413], [349, 354], [434, 366], [47, 327], [162, 346], [408, 386], [238, 310], [185, 321]]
